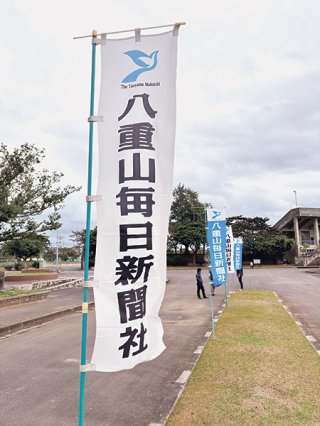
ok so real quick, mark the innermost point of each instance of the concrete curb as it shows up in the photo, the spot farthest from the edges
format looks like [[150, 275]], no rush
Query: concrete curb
[[12, 328], [313, 342], [22, 299], [50, 285], [193, 362]]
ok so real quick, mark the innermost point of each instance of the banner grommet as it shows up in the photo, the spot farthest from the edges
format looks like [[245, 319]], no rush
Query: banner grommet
[[95, 119], [93, 198], [137, 34], [87, 367]]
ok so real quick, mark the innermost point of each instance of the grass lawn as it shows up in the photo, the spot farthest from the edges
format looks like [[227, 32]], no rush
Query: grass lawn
[[259, 369], [12, 292]]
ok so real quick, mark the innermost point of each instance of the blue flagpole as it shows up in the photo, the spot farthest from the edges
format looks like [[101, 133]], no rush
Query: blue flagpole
[[211, 282], [87, 243], [225, 293]]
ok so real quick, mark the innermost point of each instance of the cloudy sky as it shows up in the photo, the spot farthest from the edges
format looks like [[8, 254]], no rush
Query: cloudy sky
[[248, 94]]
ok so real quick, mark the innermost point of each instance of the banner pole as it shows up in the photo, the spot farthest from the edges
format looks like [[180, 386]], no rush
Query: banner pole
[[211, 306], [225, 294], [87, 243], [210, 274]]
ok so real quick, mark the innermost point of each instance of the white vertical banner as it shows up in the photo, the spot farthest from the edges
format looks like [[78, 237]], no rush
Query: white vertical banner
[[230, 250], [136, 152]]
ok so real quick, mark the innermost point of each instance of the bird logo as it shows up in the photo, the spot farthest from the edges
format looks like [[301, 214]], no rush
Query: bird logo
[[215, 214], [145, 63]]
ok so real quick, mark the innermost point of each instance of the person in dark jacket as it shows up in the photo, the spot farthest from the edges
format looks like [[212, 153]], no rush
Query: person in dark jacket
[[200, 287], [240, 275]]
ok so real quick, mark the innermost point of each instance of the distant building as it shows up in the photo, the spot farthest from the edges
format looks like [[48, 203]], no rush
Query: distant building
[[302, 224]]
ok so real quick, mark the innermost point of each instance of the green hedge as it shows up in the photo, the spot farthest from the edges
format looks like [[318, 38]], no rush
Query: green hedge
[[184, 260], [177, 260]]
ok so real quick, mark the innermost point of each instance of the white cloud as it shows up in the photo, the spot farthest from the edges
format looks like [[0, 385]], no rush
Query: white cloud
[[248, 94]]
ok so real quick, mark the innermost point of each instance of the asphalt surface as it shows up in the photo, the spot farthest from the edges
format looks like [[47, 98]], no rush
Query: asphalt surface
[[41, 374], [299, 290]]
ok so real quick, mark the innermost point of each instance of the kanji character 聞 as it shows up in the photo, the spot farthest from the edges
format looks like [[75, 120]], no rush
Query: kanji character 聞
[[132, 304]]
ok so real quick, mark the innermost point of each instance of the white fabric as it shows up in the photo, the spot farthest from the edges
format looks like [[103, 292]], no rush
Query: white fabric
[[230, 250], [140, 324]]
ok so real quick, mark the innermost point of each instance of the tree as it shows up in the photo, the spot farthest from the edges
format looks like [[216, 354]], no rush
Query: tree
[[186, 207], [253, 232], [50, 254], [79, 238], [260, 240], [187, 220], [30, 200], [68, 253], [277, 245], [64, 253], [27, 248], [247, 226]]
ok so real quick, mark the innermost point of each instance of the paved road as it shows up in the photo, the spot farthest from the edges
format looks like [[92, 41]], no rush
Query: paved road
[[298, 288], [57, 301], [40, 379]]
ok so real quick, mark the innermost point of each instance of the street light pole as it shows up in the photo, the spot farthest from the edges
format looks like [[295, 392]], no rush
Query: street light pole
[[57, 253], [59, 241], [295, 195]]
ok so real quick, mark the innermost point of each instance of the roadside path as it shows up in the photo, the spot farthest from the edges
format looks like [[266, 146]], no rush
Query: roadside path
[[299, 290], [146, 393], [58, 303]]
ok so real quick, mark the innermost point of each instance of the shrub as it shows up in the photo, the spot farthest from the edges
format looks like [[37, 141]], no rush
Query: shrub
[[18, 266], [177, 260], [200, 260], [8, 267]]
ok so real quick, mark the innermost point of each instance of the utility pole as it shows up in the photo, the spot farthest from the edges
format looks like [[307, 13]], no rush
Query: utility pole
[[59, 240], [57, 252]]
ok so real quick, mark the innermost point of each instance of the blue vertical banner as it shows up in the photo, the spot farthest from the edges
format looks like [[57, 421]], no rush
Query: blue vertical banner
[[216, 239], [238, 253]]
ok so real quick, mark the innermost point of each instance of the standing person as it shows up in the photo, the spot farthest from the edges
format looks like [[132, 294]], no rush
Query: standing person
[[251, 265], [200, 284], [240, 275]]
